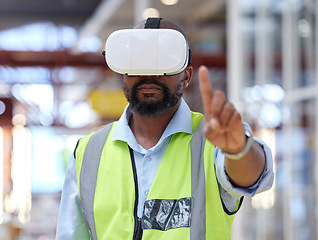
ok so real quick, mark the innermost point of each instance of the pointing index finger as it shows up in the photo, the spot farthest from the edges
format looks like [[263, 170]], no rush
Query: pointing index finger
[[206, 89]]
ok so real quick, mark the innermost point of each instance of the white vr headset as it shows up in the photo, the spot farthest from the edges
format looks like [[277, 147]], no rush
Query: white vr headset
[[147, 52]]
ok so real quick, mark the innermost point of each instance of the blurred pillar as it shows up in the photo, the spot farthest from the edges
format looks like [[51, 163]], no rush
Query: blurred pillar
[[235, 52], [289, 46], [316, 117], [263, 74], [263, 43], [235, 79], [6, 143], [94, 25], [140, 6]]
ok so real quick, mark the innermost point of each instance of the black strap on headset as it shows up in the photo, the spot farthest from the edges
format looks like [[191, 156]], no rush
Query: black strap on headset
[[189, 58], [152, 23]]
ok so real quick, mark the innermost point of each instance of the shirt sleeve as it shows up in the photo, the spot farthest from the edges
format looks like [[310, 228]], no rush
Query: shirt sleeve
[[230, 194], [71, 222]]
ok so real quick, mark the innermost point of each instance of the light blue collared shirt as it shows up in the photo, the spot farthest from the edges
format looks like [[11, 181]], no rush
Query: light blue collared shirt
[[71, 224], [147, 161]]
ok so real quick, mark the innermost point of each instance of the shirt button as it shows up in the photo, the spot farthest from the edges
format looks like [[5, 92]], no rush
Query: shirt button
[[149, 158], [146, 193]]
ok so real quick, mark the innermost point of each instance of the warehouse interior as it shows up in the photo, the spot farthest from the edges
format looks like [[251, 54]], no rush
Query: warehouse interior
[[55, 88]]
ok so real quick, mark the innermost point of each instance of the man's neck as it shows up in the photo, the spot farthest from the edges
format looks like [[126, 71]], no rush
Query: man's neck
[[148, 130]]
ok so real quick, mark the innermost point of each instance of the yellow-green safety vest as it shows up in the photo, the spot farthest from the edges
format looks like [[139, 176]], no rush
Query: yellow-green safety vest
[[184, 200]]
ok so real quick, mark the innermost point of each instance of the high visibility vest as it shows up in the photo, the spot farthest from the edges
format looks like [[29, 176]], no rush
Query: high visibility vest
[[184, 200]]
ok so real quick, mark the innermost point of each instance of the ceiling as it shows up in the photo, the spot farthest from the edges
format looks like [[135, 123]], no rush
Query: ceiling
[[100, 18], [112, 15], [95, 17]]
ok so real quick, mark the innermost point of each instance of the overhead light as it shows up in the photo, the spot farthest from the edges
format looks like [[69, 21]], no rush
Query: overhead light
[[19, 120], [2, 107], [150, 12], [169, 2]]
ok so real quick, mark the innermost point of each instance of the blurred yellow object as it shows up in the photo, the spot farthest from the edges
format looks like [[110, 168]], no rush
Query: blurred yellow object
[[108, 103]]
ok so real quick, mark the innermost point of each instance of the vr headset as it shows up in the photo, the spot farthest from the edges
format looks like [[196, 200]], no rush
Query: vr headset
[[147, 51]]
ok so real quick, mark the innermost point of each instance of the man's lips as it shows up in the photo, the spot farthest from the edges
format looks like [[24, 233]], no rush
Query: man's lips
[[149, 88]]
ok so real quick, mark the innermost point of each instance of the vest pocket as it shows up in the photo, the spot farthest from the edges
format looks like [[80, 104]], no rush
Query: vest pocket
[[165, 214]]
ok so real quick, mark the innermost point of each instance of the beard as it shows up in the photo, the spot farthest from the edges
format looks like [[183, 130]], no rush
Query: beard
[[152, 107]]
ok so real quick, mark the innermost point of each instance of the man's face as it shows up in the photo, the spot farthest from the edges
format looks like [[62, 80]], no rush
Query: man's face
[[153, 95]]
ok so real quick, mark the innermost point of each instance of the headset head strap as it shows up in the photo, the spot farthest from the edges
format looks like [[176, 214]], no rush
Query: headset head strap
[[152, 23]]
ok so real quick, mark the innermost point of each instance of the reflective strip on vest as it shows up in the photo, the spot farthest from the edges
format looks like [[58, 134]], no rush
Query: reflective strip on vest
[[88, 176], [89, 171], [198, 218]]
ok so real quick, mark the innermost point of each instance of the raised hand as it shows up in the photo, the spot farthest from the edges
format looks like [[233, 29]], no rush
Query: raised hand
[[223, 125]]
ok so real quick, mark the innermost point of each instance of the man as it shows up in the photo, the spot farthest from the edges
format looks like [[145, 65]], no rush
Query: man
[[162, 171]]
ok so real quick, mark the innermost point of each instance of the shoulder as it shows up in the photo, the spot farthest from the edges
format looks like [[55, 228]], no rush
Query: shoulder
[[97, 135]]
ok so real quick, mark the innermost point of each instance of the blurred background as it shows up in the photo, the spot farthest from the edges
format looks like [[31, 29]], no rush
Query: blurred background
[[55, 88]]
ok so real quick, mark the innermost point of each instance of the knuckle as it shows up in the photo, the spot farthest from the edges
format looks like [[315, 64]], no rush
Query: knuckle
[[229, 106], [219, 94], [237, 116]]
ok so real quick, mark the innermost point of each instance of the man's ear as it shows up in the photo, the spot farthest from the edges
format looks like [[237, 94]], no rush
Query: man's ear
[[187, 76]]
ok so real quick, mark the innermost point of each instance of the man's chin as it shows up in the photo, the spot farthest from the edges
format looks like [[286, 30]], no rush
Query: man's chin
[[149, 98], [150, 101], [149, 109]]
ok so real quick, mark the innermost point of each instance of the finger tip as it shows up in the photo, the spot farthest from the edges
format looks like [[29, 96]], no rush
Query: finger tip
[[202, 67], [203, 72]]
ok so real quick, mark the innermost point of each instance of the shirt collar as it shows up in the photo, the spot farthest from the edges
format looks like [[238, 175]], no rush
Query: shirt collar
[[180, 122]]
